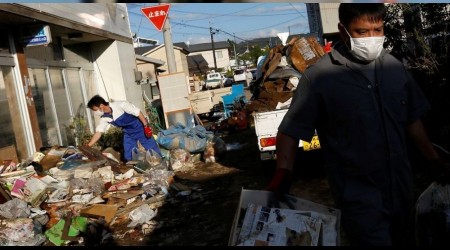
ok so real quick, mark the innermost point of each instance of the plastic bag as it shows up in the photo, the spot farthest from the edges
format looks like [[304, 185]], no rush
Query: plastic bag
[[153, 158], [137, 155], [433, 216], [180, 159]]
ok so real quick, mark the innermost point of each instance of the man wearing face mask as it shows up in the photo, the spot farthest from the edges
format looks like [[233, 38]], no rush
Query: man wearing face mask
[[127, 116], [363, 103]]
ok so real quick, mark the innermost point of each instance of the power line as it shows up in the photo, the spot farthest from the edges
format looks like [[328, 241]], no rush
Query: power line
[[184, 24], [301, 14], [226, 14], [190, 25], [209, 28], [241, 15], [271, 25], [232, 35]]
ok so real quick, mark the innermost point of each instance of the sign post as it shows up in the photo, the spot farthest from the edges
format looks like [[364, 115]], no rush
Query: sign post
[[177, 92], [157, 14]]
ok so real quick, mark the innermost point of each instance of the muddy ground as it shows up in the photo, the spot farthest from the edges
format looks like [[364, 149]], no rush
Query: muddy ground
[[205, 217]]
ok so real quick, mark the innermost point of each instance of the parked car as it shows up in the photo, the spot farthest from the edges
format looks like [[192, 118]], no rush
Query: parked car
[[239, 76], [227, 82], [213, 80]]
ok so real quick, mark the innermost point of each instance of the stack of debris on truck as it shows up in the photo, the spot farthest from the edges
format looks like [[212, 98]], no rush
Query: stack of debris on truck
[[281, 71]]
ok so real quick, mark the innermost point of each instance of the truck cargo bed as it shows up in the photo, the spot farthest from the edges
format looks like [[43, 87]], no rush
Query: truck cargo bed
[[266, 127]]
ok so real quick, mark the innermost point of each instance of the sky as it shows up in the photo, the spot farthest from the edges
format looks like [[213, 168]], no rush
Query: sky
[[239, 21], [191, 22]]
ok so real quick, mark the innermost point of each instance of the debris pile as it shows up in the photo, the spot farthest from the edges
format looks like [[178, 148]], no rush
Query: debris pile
[[281, 72], [84, 196]]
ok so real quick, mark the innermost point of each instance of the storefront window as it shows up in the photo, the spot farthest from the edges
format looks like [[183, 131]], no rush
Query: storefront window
[[91, 90], [80, 120], [63, 111], [4, 43], [7, 137], [57, 106], [43, 100]]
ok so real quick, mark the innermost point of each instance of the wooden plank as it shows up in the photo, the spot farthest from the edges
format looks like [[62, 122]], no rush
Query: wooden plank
[[95, 155], [8, 153], [4, 195]]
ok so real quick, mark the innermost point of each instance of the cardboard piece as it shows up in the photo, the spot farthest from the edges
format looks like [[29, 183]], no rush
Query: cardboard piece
[[100, 210], [8, 153], [330, 217], [49, 161]]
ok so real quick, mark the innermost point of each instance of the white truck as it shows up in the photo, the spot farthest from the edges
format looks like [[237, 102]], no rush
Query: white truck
[[267, 122], [239, 76], [266, 127], [214, 80]]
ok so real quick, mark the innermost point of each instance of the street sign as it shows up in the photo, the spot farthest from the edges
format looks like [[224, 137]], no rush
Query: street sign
[[36, 35], [157, 14]]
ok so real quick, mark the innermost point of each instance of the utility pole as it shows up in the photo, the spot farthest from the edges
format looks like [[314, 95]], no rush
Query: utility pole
[[172, 66], [213, 50], [236, 62]]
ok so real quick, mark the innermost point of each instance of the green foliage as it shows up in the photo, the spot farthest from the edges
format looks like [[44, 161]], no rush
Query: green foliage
[[113, 138], [229, 73], [253, 54], [78, 131], [419, 34], [155, 118], [411, 31]]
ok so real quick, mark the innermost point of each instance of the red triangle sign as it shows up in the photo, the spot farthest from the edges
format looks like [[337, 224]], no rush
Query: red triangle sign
[[157, 14]]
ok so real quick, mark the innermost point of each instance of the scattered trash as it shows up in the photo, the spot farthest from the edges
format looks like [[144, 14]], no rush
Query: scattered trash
[[141, 215]]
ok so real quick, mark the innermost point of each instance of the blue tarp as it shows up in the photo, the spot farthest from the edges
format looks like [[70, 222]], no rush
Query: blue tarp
[[192, 139]]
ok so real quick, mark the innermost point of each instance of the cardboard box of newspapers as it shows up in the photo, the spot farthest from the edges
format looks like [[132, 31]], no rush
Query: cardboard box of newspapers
[[261, 220]]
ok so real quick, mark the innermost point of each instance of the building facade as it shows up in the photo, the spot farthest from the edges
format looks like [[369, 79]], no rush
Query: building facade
[[323, 20], [221, 51], [53, 58]]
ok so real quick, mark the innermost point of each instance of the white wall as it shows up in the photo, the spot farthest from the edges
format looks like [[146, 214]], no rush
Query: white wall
[[330, 17], [223, 62], [109, 17], [115, 64]]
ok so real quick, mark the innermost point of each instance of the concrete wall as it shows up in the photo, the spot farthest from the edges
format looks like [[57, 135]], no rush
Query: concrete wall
[[111, 17], [180, 60], [115, 65]]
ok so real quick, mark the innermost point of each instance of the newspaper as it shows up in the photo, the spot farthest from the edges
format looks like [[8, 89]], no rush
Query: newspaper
[[265, 226]]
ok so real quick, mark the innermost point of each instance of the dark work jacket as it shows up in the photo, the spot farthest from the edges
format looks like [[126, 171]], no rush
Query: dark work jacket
[[361, 127]]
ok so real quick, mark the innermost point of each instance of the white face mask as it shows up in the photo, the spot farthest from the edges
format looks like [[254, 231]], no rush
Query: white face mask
[[99, 112], [366, 49]]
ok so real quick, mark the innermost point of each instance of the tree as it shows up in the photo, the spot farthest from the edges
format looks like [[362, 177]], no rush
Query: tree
[[412, 32], [231, 48], [254, 53], [419, 35]]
